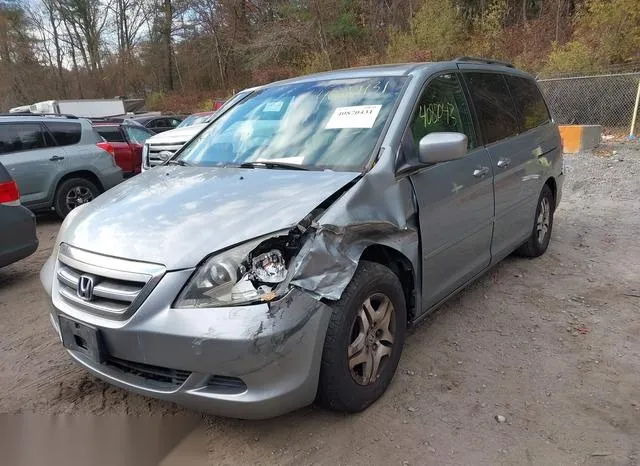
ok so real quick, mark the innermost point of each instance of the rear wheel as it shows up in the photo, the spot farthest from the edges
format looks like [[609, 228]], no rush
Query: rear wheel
[[73, 193], [364, 340], [538, 242]]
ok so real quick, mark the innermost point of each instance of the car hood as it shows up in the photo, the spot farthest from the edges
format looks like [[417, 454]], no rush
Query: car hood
[[178, 135], [176, 216]]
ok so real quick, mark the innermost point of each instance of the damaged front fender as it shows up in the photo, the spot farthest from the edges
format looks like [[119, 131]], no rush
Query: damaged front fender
[[377, 210]]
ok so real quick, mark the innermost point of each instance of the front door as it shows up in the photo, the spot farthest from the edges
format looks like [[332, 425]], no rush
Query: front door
[[455, 199]]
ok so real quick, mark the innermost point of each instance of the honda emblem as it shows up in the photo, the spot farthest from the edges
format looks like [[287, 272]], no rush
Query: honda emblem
[[85, 287]]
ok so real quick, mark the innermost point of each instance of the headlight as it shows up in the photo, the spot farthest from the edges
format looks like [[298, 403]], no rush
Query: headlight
[[245, 274], [145, 156]]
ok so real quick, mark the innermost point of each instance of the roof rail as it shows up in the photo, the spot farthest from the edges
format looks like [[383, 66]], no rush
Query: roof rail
[[29, 114], [488, 61]]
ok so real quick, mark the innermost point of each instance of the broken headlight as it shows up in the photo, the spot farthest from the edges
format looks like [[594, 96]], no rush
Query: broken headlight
[[245, 274]]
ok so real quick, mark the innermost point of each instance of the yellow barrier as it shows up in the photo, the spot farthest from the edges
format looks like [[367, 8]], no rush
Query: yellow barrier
[[576, 138]]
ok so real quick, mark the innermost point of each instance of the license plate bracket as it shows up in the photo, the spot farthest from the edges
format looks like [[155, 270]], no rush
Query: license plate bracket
[[83, 338]]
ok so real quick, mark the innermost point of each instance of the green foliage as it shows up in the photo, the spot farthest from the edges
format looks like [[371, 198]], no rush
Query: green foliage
[[488, 30], [437, 31], [156, 101], [607, 32], [346, 26], [316, 62], [573, 57], [402, 47], [612, 29]]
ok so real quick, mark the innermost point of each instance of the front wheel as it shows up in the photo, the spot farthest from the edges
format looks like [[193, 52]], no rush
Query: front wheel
[[538, 242], [72, 193], [364, 340]]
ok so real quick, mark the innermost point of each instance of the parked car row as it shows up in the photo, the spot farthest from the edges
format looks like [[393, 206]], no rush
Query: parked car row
[[59, 162]]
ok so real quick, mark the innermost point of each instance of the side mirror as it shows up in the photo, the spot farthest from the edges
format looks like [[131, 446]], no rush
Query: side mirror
[[442, 147]]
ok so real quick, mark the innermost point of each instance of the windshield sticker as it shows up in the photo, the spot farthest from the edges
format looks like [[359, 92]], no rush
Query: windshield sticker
[[358, 116], [273, 106]]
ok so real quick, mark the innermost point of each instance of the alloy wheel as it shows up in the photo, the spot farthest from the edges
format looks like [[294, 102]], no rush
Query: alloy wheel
[[542, 222], [77, 196], [371, 342]]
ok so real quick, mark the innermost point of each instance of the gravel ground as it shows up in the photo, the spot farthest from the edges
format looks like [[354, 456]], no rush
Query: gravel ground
[[551, 344]]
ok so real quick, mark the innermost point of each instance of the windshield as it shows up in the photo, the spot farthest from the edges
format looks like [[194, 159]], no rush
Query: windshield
[[138, 135], [193, 120], [319, 125]]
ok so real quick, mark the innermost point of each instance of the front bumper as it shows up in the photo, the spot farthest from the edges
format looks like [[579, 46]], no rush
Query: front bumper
[[271, 352]]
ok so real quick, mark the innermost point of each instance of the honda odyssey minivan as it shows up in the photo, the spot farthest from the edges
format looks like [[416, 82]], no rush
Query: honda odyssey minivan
[[279, 256]]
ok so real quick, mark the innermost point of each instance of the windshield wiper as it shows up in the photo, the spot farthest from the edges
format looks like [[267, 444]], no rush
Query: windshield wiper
[[180, 162], [274, 164]]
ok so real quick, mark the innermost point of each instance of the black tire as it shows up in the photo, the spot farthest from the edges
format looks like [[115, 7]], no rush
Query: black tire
[[535, 245], [67, 187], [338, 389]]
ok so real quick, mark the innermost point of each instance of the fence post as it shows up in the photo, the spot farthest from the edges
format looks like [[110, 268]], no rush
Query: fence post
[[635, 112]]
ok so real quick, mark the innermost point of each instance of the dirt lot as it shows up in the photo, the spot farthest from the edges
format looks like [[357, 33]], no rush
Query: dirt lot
[[551, 344]]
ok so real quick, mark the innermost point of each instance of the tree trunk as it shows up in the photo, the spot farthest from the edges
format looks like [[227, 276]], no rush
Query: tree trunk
[[168, 18]]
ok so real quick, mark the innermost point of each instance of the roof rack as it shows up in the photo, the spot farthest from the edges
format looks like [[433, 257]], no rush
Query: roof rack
[[29, 114], [488, 61], [108, 119]]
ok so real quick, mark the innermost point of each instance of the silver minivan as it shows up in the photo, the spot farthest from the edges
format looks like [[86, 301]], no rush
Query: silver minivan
[[281, 254]]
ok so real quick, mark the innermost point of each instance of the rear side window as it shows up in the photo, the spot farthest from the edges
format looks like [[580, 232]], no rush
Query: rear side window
[[493, 104], [532, 110], [158, 123], [21, 137], [110, 133], [65, 133]]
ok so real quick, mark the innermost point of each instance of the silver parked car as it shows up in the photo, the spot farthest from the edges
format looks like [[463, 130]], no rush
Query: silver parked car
[[57, 161], [280, 255]]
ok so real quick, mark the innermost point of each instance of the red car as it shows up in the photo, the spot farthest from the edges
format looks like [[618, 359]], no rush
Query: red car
[[126, 139]]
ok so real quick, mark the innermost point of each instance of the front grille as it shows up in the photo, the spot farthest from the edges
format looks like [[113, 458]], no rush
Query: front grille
[[118, 286], [153, 157], [169, 378]]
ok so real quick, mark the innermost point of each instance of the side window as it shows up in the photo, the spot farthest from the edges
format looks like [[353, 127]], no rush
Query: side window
[[159, 123], [493, 104], [110, 133], [532, 110], [443, 108], [21, 137], [65, 133], [173, 122]]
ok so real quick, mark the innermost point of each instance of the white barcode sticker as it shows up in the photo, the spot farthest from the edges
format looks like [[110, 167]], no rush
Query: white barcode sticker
[[358, 116]]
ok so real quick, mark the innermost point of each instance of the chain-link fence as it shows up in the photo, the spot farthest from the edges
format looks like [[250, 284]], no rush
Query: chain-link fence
[[607, 100]]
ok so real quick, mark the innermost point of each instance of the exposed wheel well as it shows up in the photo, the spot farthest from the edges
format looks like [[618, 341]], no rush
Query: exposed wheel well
[[551, 182], [401, 266], [86, 174]]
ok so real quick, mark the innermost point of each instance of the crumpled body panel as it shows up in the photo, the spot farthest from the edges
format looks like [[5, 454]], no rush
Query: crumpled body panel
[[378, 210]]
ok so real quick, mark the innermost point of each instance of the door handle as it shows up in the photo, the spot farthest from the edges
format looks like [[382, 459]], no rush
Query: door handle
[[55, 158], [481, 172], [503, 163]]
